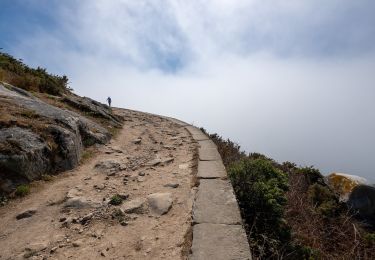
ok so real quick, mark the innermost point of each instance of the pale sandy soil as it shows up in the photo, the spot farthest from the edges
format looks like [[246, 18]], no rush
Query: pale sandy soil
[[143, 235]]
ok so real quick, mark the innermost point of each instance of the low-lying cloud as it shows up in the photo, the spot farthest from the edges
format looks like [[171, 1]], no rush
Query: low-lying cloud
[[293, 80]]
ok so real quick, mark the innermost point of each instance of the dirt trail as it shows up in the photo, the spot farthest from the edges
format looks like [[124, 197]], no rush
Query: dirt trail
[[71, 217]]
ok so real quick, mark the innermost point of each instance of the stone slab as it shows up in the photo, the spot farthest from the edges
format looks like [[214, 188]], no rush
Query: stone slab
[[210, 154], [211, 170], [215, 203], [197, 134], [207, 144], [219, 242]]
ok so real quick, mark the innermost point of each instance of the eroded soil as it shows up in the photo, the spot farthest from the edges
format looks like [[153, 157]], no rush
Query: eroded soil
[[71, 216]]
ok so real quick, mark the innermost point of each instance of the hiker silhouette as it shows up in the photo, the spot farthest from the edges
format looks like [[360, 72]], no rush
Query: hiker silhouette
[[109, 101]]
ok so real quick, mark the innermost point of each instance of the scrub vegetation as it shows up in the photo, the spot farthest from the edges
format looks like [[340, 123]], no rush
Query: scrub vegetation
[[289, 211], [16, 73]]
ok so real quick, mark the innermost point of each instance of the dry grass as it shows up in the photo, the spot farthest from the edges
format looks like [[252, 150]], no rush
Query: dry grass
[[338, 237]]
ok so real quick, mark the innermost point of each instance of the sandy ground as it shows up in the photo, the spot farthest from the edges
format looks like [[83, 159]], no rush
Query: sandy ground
[[96, 229]]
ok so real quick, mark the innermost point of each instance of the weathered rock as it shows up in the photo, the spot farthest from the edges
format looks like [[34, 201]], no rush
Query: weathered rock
[[172, 185], [22, 153], [80, 203], [160, 203], [137, 141], [26, 214], [134, 206], [52, 142], [109, 167], [154, 162], [87, 218], [36, 247], [167, 160], [93, 107], [343, 184], [362, 199]]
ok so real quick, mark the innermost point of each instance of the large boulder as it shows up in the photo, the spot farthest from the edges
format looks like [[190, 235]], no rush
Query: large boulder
[[343, 184], [37, 138], [362, 200], [22, 153]]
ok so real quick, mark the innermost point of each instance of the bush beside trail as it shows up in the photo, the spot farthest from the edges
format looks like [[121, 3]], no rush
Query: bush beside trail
[[290, 212]]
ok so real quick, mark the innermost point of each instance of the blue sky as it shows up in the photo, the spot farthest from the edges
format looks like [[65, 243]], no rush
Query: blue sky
[[292, 79]]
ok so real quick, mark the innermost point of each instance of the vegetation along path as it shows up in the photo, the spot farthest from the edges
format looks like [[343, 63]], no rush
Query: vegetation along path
[[129, 199]]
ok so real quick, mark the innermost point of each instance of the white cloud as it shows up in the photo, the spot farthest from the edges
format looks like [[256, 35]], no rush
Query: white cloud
[[281, 76]]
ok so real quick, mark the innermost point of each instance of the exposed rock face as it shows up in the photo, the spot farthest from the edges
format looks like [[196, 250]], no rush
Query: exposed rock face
[[23, 152], [362, 199], [51, 141], [343, 184], [94, 107]]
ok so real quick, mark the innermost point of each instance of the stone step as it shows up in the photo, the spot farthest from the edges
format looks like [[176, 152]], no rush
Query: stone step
[[215, 203], [207, 144], [219, 242], [196, 133], [210, 154], [211, 170]]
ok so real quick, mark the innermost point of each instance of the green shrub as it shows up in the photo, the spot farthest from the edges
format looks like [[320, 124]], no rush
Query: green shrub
[[15, 72], [22, 190], [323, 199], [260, 189], [46, 177], [115, 200], [369, 238]]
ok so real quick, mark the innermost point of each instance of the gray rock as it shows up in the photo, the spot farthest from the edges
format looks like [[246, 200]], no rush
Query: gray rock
[[154, 162], [172, 185], [26, 214], [362, 200], [134, 206], [27, 154], [137, 141], [109, 167], [167, 160], [80, 203], [23, 153], [93, 107], [160, 203]]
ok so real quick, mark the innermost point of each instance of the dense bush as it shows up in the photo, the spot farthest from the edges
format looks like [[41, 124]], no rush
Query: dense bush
[[304, 221], [260, 189], [16, 73]]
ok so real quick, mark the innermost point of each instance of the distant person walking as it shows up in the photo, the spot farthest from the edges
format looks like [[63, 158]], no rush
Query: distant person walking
[[109, 100]]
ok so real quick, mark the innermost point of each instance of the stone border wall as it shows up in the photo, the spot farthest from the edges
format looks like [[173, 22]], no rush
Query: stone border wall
[[218, 233]]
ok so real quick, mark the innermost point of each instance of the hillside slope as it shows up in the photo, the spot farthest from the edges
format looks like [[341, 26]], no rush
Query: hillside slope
[[44, 127]]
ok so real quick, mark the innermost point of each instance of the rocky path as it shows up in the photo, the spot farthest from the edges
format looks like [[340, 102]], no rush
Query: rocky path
[[148, 170]]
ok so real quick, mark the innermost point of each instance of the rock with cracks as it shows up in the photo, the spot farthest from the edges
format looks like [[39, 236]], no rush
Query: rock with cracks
[[51, 140]]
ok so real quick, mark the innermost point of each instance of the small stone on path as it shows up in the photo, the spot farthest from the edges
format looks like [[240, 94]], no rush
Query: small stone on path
[[172, 185], [160, 203], [26, 214]]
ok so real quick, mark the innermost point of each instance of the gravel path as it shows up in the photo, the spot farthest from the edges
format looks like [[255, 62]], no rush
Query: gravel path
[[150, 167]]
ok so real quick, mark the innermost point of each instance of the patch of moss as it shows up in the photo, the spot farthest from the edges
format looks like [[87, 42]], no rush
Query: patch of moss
[[22, 190], [115, 200]]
